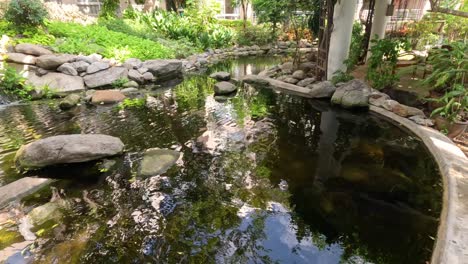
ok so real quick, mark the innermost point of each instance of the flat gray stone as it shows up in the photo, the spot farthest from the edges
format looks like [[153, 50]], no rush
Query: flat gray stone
[[67, 149], [53, 61], [97, 66], [58, 82], [157, 161], [221, 76], [21, 188], [21, 58], [106, 77], [224, 88], [32, 49]]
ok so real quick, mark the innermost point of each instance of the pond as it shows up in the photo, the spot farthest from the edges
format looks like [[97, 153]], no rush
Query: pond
[[264, 178]]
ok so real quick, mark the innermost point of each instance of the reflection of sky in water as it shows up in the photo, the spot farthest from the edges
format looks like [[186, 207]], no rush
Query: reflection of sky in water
[[280, 243]]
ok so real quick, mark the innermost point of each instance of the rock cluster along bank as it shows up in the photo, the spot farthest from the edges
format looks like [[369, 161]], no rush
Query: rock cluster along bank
[[66, 73], [353, 94]]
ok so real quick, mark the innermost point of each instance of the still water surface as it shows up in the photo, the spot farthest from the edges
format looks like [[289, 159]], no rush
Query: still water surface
[[264, 178]]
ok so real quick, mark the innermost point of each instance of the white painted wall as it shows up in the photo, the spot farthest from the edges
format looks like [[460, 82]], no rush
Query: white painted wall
[[340, 39]]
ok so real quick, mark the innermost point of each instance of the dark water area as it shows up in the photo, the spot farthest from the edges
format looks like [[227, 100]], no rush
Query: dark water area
[[264, 178]]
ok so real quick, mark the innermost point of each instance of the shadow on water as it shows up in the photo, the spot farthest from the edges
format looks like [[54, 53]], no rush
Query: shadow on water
[[264, 178]]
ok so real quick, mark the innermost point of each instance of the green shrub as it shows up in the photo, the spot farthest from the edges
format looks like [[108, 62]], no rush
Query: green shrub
[[258, 35], [383, 60], [75, 38], [13, 83], [132, 103], [182, 47], [26, 13], [341, 77], [449, 66], [234, 23], [200, 29], [355, 49]]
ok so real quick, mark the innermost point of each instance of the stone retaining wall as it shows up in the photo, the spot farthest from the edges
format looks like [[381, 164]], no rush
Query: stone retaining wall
[[451, 246]]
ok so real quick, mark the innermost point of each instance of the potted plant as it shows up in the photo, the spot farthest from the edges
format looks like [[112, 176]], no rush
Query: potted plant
[[451, 116]]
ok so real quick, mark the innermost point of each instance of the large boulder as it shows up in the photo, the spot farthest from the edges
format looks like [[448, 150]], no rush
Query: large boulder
[[157, 161], [299, 74], [53, 61], [136, 76], [32, 49], [57, 82], [322, 89], [106, 77], [164, 69], [353, 94], [67, 149], [107, 97], [20, 58], [224, 88], [221, 76]]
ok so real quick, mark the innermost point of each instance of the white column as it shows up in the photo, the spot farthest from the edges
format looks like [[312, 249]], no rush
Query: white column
[[340, 39], [380, 18]]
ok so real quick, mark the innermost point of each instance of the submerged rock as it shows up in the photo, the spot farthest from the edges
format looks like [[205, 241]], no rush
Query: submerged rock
[[157, 161], [69, 101], [222, 88], [221, 76], [21, 188], [353, 94], [67, 149], [46, 212]]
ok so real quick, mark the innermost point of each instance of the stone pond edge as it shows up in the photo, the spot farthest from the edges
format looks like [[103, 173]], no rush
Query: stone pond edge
[[451, 245]]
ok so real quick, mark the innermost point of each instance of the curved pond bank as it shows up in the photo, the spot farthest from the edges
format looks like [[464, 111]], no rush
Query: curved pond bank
[[452, 242], [264, 177]]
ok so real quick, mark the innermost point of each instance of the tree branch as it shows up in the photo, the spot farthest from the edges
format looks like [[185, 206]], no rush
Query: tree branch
[[436, 8]]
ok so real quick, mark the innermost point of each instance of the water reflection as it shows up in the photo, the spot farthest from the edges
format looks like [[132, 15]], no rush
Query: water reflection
[[264, 178]]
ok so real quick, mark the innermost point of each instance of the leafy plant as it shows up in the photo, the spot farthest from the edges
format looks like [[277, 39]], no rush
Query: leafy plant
[[109, 9], [383, 60], [75, 38], [450, 66], [119, 83], [455, 104], [258, 35], [26, 13], [273, 12], [13, 83], [132, 103], [341, 77], [355, 49]]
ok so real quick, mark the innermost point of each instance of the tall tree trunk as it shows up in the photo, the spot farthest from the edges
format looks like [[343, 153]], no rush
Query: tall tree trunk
[[244, 11]]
